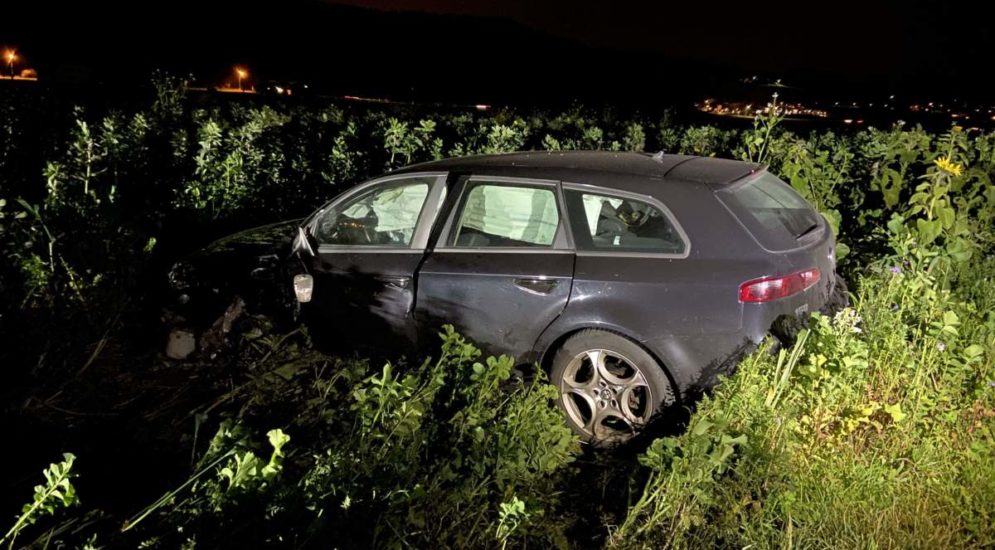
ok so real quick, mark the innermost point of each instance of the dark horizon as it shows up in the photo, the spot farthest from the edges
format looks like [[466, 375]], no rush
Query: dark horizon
[[515, 51]]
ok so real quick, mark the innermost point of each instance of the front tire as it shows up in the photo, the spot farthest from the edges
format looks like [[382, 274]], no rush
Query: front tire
[[610, 388]]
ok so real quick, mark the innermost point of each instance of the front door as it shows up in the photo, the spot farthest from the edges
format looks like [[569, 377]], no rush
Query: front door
[[370, 244], [502, 268]]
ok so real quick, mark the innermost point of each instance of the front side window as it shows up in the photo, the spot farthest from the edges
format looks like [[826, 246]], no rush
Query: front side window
[[621, 224], [498, 215], [385, 215]]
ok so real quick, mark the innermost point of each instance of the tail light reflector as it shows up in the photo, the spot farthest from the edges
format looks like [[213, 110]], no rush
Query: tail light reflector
[[767, 289]]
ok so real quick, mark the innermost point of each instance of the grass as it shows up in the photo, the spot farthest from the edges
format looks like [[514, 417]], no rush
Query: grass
[[888, 443]]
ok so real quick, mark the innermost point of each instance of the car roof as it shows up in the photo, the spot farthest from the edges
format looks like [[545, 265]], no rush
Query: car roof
[[575, 165]]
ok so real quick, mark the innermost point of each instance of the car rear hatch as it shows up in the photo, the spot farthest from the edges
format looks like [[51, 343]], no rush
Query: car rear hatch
[[799, 243]]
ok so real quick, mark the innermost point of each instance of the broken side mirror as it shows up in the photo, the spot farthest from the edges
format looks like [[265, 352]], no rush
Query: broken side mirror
[[304, 283], [304, 241]]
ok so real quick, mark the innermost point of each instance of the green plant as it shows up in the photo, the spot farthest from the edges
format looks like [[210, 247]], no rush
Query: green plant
[[706, 141], [438, 448], [402, 141], [510, 518], [57, 492], [247, 471], [758, 141]]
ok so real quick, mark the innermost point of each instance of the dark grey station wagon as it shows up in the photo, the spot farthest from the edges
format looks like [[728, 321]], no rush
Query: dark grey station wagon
[[634, 279]]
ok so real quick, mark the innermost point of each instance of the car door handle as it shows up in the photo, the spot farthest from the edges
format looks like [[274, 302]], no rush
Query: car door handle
[[400, 283], [536, 285]]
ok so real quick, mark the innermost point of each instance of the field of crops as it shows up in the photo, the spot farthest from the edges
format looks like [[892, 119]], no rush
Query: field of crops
[[877, 429]]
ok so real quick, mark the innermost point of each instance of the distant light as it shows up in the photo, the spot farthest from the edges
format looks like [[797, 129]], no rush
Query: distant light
[[482, 107], [847, 121], [278, 89]]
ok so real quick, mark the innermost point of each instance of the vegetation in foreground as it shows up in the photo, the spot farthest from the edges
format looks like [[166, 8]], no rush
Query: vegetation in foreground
[[875, 429]]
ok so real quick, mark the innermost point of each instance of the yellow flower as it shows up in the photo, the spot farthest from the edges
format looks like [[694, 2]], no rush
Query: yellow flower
[[949, 166]]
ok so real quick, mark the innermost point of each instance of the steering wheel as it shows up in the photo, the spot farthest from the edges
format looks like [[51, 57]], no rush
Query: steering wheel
[[355, 231]]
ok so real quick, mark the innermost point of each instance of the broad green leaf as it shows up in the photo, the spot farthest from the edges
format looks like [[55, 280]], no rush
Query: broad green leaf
[[928, 230], [842, 250], [895, 411], [974, 351]]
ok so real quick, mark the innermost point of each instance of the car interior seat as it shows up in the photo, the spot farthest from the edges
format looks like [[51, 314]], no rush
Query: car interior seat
[[609, 229]]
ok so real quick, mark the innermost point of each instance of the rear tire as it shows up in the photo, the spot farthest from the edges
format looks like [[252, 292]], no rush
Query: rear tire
[[610, 388], [840, 297], [787, 327]]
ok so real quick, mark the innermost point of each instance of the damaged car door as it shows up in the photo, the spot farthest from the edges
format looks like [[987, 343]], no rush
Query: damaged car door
[[369, 244], [502, 267]]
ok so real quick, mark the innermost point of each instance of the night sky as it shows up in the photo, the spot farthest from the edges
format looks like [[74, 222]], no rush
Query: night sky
[[575, 49], [896, 41], [852, 37]]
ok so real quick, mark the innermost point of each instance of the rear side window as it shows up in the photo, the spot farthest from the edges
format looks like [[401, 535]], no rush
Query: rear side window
[[772, 211], [603, 222], [496, 215]]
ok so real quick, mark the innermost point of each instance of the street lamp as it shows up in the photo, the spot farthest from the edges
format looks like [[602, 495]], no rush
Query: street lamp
[[11, 57], [242, 73]]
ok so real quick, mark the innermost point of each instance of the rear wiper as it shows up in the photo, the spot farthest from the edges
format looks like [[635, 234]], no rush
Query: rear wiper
[[811, 228]]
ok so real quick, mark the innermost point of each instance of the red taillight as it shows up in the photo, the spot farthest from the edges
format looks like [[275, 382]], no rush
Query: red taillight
[[773, 288]]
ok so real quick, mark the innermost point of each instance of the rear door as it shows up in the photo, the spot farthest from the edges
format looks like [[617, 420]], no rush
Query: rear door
[[502, 268]]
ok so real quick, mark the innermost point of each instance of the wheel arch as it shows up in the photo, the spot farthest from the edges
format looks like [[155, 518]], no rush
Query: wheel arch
[[547, 351]]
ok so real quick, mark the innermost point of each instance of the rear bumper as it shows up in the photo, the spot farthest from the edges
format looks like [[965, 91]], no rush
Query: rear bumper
[[697, 361]]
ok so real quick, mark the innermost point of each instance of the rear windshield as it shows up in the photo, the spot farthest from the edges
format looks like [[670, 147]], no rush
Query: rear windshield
[[772, 211]]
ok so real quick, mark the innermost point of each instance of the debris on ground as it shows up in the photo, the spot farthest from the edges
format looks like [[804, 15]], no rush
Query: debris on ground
[[181, 343], [215, 337]]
